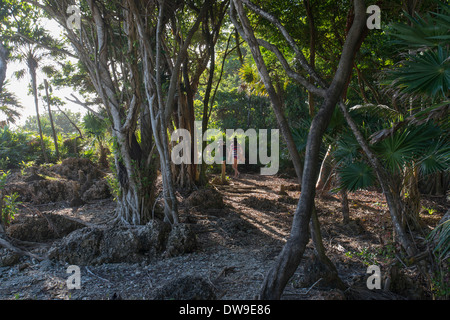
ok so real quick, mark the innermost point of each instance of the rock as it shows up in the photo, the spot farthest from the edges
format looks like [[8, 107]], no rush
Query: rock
[[39, 229], [8, 257], [314, 270], [45, 191], [89, 246], [118, 244], [74, 168], [46, 265], [208, 198], [153, 237], [218, 181], [81, 247], [98, 190], [72, 180], [76, 202], [404, 285], [186, 288], [352, 228], [181, 240], [263, 204]]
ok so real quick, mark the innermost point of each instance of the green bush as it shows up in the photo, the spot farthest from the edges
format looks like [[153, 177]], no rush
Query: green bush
[[17, 147], [8, 203]]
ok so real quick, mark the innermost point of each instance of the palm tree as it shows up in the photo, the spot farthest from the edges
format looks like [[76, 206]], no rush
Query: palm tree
[[423, 75], [9, 104], [3, 62], [55, 139], [32, 55], [422, 80], [97, 129]]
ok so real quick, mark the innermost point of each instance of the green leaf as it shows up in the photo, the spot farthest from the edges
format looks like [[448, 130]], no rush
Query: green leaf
[[427, 72], [357, 175]]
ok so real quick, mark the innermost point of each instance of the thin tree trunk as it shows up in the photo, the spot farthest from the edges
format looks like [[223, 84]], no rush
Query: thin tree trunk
[[3, 64], [411, 197], [332, 274], [392, 198], [2, 229], [247, 33], [312, 50], [55, 139], [292, 252], [325, 170], [36, 104], [345, 208], [206, 103]]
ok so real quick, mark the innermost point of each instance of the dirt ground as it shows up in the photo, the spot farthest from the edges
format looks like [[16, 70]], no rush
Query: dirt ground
[[237, 245]]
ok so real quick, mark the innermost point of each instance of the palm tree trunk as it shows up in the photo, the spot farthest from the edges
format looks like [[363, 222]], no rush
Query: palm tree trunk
[[345, 208], [32, 68], [3, 54], [55, 139]]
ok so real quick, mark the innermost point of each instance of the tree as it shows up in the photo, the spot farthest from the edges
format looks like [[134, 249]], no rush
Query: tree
[[31, 55], [97, 128], [3, 56], [9, 103], [292, 252], [50, 116], [404, 147], [134, 63]]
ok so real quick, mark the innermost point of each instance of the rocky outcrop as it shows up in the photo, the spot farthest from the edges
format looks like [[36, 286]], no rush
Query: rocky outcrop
[[74, 180], [91, 246]]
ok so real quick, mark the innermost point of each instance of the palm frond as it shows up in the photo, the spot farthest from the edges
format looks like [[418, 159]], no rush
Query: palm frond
[[9, 105], [380, 111], [428, 31], [355, 176], [427, 73], [436, 158], [441, 234], [347, 149]]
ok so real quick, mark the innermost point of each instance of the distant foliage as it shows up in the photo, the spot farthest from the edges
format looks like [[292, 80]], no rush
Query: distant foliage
[[17, 147]]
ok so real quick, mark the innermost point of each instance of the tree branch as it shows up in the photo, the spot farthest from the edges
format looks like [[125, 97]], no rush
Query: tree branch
[[84, 105], [291, 73], [299, 54]]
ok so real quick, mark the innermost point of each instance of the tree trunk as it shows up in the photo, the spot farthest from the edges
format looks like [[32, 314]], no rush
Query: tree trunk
[[206, 103], [345, 208], [247, 33], [55, 139], [393, 198], [2, 229], [325, 170], [292, 252], [32, 68], [331, 274], [312, 50], [411, 198], [3, 64], [185, 174]]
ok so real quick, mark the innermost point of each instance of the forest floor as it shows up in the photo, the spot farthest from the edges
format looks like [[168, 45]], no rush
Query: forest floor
[[236, 247]]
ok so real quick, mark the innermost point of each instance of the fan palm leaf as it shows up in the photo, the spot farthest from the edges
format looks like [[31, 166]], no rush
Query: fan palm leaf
[[355, 176], [430, 31], [9, 105], [441, 234], [427, 73]]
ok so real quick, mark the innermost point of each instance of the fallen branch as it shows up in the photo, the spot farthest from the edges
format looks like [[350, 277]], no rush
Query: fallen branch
[[305, 293], [9, 246], [87, 269]]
